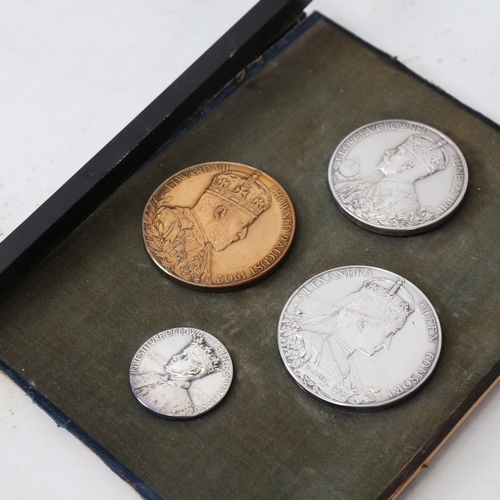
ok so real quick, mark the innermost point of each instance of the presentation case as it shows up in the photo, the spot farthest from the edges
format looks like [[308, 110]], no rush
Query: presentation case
[[80, 293]]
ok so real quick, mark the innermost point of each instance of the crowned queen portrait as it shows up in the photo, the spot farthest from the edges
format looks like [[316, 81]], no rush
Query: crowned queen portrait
[[388, 196], [335, 342], [187, 237]]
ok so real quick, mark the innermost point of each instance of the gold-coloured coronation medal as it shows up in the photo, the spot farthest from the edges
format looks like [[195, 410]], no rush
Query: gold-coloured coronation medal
[[218, 226]]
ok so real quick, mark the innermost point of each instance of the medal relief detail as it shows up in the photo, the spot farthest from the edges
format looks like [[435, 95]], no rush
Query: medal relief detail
[[359, 337], [218, 225], [181, 373], [398, 177]]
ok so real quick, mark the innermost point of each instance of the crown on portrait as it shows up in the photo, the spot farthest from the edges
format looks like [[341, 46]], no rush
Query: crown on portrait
[[244, 191], [203, 353], [431, 154], [386, 293]]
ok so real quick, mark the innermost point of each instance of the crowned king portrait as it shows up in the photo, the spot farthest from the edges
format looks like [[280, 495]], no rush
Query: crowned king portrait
[[388, 196], [187, 237]]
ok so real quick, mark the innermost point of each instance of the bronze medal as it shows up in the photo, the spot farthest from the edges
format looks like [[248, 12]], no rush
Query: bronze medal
[[218, 226]]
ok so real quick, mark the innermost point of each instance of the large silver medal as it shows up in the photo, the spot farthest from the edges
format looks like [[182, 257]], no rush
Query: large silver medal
[[359, 337]]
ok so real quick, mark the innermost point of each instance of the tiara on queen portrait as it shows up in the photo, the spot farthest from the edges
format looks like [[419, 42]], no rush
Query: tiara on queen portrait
[[432, 154], [390, 297], [241, 190]]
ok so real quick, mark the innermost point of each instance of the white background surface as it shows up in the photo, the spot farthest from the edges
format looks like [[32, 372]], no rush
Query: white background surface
[[73, 74]]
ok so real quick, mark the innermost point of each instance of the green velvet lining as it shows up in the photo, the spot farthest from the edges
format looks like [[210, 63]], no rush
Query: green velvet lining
[[72, 326]]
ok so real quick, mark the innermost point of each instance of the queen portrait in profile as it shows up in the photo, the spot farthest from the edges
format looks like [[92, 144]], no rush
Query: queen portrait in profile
[[388, 196], [336, 341], [169, 389]]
